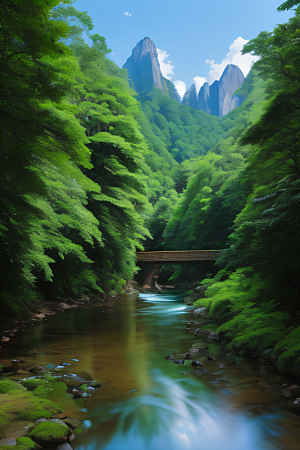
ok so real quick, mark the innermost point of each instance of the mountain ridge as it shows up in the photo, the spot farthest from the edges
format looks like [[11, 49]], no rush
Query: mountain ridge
[[216, 99]]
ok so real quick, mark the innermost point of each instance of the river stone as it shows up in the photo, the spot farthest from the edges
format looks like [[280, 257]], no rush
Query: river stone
[[8, 442], [49, 434], [199, 311], [95, 384], [58, 421], [65, 446], [40, 420], [286, 393]]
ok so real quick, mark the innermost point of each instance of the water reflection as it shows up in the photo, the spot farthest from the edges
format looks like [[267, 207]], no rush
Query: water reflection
[[169, 410], [174, 414], [146, 402]]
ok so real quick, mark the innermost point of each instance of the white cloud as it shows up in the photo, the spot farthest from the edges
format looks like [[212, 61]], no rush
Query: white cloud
[[234, 56], [199, 81], [165, 66], [180, 86], [127, 13]]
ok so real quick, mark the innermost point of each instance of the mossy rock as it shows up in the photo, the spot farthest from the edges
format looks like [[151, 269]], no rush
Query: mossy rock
[[9, 386], [23, 443], [49, 434], [22, 405], [43, 392], [33, 383]]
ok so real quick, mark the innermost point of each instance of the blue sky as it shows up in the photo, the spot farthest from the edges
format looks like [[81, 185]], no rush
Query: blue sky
[[195, 34]]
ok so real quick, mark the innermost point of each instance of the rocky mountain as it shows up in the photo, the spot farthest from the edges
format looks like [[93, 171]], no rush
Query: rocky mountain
[[144, 70], [218, 99]]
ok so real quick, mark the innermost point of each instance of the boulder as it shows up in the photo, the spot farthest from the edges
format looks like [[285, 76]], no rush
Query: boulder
[[199, 311], [50, 434]]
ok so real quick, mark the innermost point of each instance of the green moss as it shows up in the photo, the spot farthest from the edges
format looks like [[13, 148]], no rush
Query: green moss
[[83, 387], [22, 405], [4, 422], [25, 443], [33, 383], [34, 414], [48, 432], [10, 386], [43, 392]]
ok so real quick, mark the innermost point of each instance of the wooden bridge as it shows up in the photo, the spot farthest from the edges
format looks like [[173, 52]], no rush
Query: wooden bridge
[[179, 255]]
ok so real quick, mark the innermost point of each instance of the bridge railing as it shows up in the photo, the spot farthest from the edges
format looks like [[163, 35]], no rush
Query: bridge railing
[[180, 255]]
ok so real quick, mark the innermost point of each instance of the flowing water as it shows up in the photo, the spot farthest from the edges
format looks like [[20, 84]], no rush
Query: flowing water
[[148, 402]]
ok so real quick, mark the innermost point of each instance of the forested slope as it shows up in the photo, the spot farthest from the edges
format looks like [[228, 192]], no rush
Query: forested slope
[[90, 172], [73, 191], [248, 186]]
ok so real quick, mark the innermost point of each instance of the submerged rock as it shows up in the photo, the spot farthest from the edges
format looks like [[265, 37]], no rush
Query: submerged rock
[[196, 364]]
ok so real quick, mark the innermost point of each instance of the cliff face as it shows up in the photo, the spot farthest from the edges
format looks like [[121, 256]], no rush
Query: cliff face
[[190, 98], [231, 79], [218, 98], [143, 67]]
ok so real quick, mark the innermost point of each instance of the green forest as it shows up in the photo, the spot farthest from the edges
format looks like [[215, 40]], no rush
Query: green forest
[[91, 173]]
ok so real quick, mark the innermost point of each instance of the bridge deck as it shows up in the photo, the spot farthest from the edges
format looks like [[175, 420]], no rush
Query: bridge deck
[[180, 255]]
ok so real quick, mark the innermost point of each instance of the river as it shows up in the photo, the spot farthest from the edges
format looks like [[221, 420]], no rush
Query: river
[[148, 402]]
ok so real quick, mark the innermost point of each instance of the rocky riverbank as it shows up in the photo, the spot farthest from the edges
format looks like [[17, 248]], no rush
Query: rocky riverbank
[[248, 378], [29, 416]]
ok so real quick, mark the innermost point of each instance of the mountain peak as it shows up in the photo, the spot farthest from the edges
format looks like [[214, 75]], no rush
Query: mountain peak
[[218, 99], [143, 67]]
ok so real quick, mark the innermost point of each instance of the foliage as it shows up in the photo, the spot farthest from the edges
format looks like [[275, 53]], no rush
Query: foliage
[[289, 351], [239, 302], [266, 230], [288, 4], [62, 220], [186, 132], [215, 190]]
